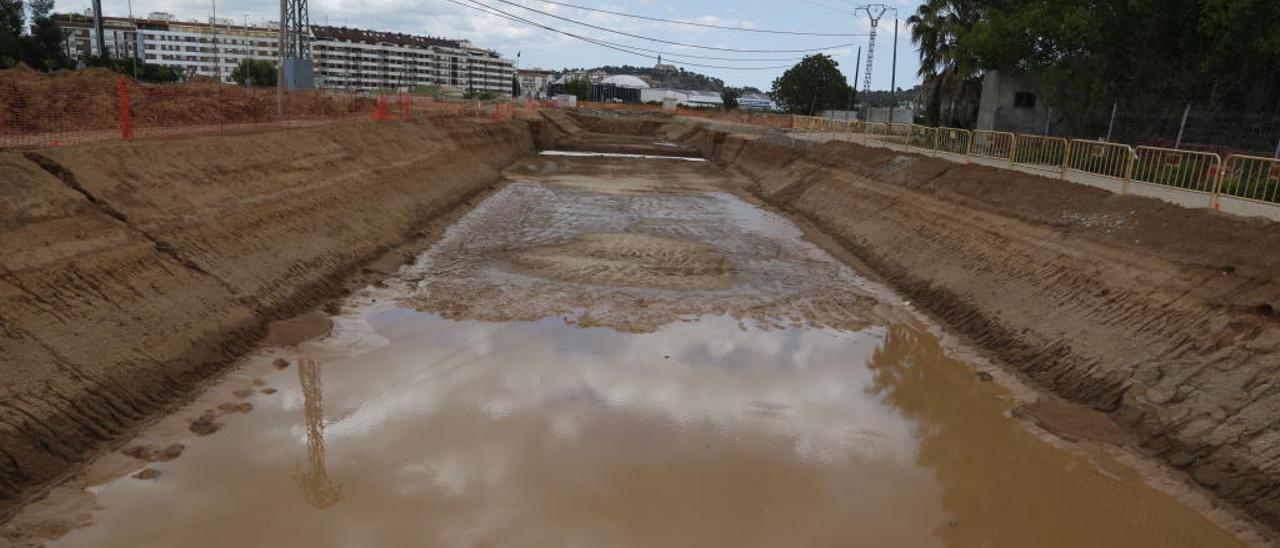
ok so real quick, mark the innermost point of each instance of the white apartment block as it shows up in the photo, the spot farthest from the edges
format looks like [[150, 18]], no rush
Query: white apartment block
[[344, 58]]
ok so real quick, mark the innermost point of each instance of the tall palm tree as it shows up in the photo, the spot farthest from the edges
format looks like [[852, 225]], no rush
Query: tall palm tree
[[948, 73]]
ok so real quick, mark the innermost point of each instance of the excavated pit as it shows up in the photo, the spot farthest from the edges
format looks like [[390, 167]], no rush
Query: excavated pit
[[616, 350]]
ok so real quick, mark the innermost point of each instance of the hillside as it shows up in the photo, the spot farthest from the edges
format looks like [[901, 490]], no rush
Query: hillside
[[679, 78]]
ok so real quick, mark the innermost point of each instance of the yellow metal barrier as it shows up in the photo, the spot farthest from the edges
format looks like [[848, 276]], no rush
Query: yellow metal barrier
[[1183, 169], [899, 129], [877, 128], [1040, 152], [922, 137], [954, 141], [1101, 158], [1251, 178], [857, 127], [993, 144]]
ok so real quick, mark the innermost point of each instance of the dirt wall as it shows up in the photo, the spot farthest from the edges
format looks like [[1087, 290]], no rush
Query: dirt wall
[[1162, 316], [133, 271]]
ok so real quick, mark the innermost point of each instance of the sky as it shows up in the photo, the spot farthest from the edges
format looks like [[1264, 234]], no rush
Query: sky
[[544, 49]]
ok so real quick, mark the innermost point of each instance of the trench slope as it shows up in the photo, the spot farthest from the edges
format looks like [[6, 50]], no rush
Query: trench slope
[[133, 271], [1162, 316]]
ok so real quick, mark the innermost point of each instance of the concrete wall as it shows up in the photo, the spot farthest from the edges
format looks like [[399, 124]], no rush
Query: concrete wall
[[998, 110], [877, 114]]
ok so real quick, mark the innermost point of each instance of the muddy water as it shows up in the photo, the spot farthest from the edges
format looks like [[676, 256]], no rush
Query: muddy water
[[608, 353]]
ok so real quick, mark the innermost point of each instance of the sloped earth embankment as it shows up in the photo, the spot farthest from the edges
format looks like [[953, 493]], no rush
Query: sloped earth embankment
[[561, 130], [131, 272], [1161, 316]]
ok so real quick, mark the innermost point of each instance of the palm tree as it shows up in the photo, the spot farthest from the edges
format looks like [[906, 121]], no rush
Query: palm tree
[[949, 74]]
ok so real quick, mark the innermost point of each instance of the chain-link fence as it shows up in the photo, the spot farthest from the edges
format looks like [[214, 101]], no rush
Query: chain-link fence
[[1189, 127]]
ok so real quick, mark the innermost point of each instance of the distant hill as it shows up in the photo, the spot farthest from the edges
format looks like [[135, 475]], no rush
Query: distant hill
[[659, 78]]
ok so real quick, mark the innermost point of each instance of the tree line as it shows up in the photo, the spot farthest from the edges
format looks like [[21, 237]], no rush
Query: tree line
[[40, 46], [1148, 56], [1088, 55]]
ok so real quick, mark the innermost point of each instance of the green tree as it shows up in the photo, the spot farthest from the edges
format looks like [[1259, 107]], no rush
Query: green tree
[[814, 84], [730, 98], [950, 71], [11, 16], [581, 87], [254, 72], [43, 48]]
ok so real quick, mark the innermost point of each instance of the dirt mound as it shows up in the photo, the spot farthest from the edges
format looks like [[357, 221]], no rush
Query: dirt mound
[[35, 102], [132, 271]]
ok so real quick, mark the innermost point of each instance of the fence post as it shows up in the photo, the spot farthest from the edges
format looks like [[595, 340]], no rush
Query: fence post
[[1128, 171], [936, 131], [1112, 124], [1182, 127], [1217, 184], [1066, 159], [126, 115], [1013, 149]]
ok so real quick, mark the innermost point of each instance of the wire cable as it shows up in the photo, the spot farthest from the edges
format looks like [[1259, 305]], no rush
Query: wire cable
[[618, 47], [651, 39], [703, 25]]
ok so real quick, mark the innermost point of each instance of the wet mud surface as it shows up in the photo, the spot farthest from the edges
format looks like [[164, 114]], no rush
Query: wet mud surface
[[608, 354]]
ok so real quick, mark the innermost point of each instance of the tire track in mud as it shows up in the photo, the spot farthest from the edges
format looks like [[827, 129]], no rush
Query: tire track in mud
[[607, 253]]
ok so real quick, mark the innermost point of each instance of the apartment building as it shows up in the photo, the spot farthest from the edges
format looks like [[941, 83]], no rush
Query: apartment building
[[344, 57], [365, 59]]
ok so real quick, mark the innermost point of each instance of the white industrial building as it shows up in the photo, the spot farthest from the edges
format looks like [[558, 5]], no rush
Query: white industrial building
[[684, 98], [344, 58]]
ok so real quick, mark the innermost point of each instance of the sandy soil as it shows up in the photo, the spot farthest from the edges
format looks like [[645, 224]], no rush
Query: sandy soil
[[1161, 316], [616, 242], [133, 272]]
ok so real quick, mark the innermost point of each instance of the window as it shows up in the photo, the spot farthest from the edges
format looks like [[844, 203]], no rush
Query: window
[[1024, 99]]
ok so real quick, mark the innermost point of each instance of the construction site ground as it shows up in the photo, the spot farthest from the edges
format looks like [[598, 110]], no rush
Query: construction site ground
[[621, 331]]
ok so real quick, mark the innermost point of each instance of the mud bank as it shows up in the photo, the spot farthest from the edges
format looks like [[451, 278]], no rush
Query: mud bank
[[561, 130], [1164, 317], [131, 272]]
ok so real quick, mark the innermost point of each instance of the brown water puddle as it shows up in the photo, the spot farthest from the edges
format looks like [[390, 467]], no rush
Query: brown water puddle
[[564, 369]]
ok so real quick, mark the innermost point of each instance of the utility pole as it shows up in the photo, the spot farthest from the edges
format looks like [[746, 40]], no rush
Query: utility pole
[[280, 63], [101, 37], [893, 73], [136, 43], [1112, 124], [857, 68], [875, 12], [1182, 127], [213, 27]]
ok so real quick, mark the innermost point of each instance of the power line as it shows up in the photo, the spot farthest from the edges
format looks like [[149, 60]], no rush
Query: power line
[[827, 6], [703, 25], [618, 47], [651, 39]]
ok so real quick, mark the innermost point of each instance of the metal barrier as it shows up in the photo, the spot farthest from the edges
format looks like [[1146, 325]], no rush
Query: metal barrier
[[954, 141], [1184, 169], [922, 137], [895, 128], [1102, 158], [1251, 178], [993, 144], [1039, 152]]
